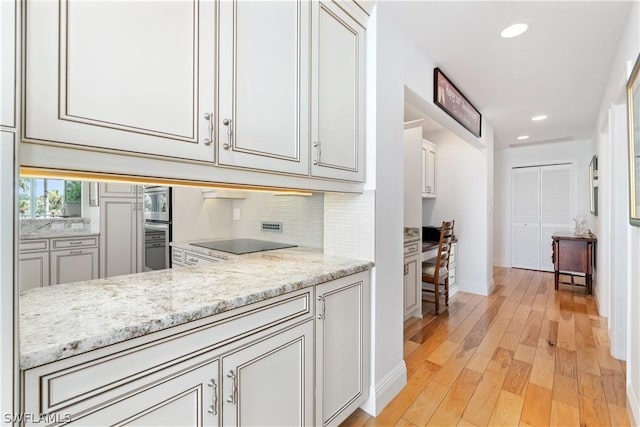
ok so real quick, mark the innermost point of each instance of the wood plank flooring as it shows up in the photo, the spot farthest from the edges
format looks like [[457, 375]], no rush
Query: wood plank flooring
[[525, 355]]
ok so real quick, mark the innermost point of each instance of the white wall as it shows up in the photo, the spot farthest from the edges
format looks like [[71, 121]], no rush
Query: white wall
[[461, 196], [195, 218], [413, 175], [626, 239], [576, 152], [301, 217], [400, 63]]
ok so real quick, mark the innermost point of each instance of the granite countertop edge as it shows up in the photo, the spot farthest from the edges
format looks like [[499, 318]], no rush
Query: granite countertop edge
[[47, 349]]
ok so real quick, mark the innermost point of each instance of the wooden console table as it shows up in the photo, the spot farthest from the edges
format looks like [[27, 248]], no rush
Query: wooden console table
[[573, 256]]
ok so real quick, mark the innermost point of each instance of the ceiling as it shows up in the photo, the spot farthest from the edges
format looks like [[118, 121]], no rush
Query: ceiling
[[560, 67]]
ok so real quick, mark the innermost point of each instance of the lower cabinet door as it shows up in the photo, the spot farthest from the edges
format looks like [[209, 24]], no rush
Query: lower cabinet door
[[342, 348], [34, 270], [412, 288], [189, 398], [74, 265], [270, 382]]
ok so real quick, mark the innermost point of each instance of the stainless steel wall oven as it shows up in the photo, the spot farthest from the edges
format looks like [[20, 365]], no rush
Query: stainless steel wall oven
[[157, 228]]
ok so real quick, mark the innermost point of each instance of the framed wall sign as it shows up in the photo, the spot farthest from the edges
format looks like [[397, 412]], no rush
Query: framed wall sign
[[447, 96], [633, 131]]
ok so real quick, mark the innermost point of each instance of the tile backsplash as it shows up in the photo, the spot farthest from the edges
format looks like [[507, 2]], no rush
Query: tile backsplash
[[301, 218], [349, 225]]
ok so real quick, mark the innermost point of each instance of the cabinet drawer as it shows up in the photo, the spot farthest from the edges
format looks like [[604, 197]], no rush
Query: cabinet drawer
[[411, 248], [34, 245], [191, 258], [453, 254], [80, 242], [452, 276], [79, 383], [177, 255]]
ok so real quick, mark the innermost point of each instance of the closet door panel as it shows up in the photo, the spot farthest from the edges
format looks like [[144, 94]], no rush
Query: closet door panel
[[556, 208], [525, 220]]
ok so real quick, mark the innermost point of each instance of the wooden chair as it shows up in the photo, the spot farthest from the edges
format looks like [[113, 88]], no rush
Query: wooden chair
[[436, 270]]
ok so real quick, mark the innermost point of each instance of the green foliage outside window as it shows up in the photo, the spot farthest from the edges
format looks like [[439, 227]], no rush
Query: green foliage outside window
[[46, 198]]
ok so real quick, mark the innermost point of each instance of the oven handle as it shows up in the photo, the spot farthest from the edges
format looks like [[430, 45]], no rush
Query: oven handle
[[159, 227]]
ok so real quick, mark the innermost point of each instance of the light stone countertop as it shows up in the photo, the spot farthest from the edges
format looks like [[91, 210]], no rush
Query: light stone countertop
[[60, 321]]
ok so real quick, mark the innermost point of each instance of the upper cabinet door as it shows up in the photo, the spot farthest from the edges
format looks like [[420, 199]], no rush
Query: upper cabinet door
[[134, 76], [338, 104], [264, 85], [8, 14]]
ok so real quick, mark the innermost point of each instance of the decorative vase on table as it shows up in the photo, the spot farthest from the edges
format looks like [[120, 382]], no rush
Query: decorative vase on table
[[581, 229]]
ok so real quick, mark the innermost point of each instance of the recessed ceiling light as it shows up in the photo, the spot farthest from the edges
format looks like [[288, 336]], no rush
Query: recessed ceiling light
[[523, 137], [538, 118], [514, 30]]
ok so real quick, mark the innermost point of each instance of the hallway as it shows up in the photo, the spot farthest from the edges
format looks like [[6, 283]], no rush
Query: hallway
[[525, 355]]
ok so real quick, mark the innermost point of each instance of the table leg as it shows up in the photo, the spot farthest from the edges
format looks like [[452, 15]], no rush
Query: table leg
[[589, 281], [556, 275]]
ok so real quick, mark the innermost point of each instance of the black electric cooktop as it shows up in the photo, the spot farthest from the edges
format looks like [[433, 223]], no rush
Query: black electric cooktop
[[242, 246]]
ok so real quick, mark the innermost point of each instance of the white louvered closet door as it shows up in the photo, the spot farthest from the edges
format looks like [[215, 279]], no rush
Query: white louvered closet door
[[542, 203], [555, 208], [525, 219]]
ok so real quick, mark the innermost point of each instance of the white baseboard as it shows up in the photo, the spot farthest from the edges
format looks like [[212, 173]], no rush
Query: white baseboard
[[381, 393], [632, 406], [478, 288]]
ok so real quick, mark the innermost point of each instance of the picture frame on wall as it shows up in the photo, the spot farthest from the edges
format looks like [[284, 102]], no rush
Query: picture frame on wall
[[633, 131], [453, 102]]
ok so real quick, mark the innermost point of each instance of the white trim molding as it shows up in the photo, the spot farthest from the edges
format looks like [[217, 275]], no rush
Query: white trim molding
[[632, 406], [381, 393]]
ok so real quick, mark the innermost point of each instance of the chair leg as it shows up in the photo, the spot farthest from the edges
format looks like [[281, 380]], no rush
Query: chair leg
[[446, 291], [436, 294]]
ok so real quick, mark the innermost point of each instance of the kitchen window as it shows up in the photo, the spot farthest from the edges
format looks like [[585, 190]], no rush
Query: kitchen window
[[49, 198]]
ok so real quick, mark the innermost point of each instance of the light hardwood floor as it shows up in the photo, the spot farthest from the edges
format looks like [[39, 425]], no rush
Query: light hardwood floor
[[525, 355]]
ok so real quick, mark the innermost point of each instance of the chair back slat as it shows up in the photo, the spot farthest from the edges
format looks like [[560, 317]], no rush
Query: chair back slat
[[441, 268], [444, 247]]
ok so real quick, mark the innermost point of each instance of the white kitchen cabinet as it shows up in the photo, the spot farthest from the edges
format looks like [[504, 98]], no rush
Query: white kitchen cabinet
[[412, 280], [45, 262], [73, 260], [185, 258], [428, 169], [181, 376], [33, 270], [263, 121], [119, 189], [121, 236], [182, 398], [338, 93], [453, 264], [8, 59], [136, 77], [270, 382], [342, 348]]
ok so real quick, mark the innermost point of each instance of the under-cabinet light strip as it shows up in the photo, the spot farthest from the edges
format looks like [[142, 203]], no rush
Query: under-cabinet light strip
[[32, 172]]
